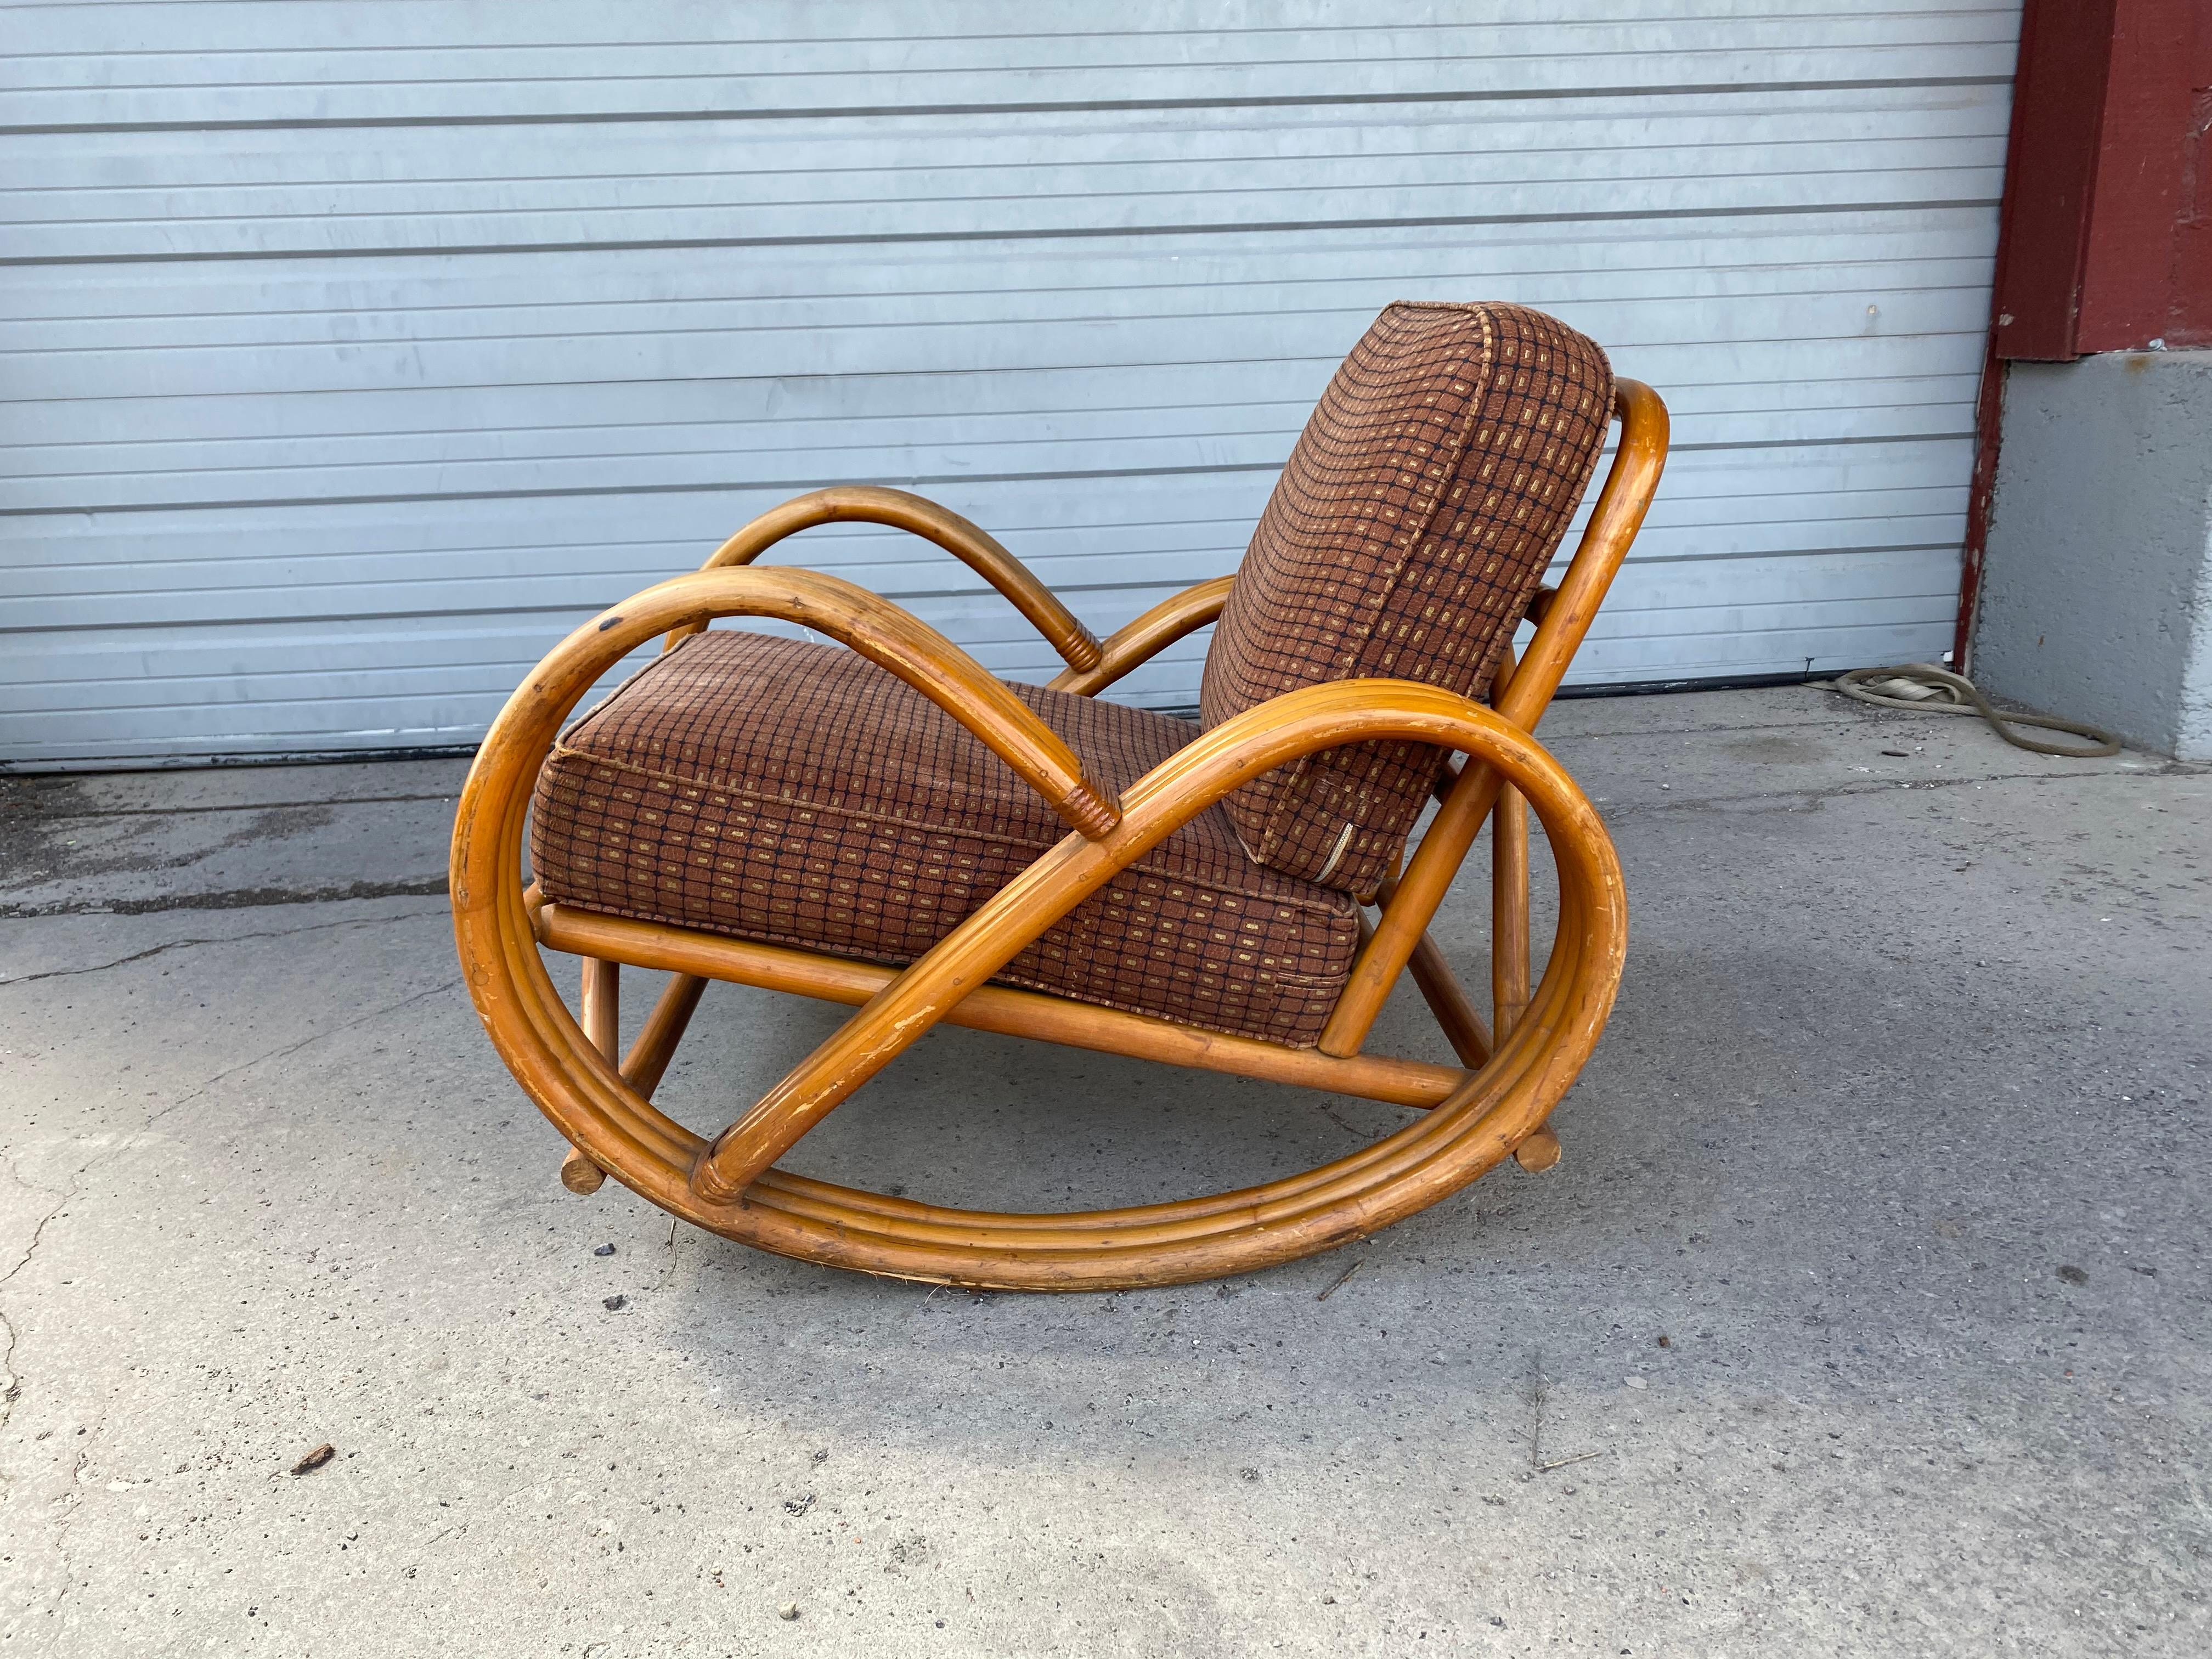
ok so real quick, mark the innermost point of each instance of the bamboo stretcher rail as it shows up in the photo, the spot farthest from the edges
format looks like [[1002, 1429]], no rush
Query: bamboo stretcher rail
[[1509, 911], [1455, 1010], [579, 1174], [969, 542], [602, 1005], [1002, 1008]]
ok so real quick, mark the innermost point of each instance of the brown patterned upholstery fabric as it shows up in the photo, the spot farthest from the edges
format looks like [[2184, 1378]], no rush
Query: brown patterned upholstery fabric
[[1409, 530], [797, 794]]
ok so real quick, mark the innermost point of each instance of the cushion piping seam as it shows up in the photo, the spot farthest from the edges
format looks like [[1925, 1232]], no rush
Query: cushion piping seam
[[1284, 809], [792, 940], [1142, 865]]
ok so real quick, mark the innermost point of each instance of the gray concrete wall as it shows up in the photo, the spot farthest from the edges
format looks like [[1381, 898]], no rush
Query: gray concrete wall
[[2097, 591]]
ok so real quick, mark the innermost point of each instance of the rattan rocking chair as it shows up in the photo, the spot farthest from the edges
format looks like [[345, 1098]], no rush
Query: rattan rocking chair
[[934, 844]]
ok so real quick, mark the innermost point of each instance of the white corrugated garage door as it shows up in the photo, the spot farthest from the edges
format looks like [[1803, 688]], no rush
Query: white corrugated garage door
[[354, 351]]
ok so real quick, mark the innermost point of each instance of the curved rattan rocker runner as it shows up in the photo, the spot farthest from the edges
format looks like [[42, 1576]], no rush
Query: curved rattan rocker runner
[[1407, 535]]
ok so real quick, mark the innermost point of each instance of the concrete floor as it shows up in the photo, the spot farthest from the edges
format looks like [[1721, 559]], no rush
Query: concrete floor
[[1867, 1314]]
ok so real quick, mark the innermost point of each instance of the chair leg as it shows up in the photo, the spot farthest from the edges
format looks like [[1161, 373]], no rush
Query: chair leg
[[602, 1020], [602, 1024], [579, 1174], [1508, 912], [1509, 949], [1539, 1151], [646, 1062]]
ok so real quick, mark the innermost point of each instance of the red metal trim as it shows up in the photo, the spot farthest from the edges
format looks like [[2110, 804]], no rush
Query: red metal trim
[[2105, 237], [2189, 317], [1989, 401], [2051, 174], [2158, 52], [1988, 421]]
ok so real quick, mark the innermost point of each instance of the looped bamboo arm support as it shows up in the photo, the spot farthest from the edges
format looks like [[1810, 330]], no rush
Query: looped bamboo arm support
[[618, 1130], [1138, 643], [1613, 522], [969, 542], [874, 627], [489, 903]]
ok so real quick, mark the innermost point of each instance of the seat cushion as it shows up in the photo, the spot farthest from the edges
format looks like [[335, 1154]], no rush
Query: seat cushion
[[1408, 531], [795, 793]]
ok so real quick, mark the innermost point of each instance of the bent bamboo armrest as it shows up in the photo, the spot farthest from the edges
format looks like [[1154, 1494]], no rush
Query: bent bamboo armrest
[[1138, 643], [969, 542], [870, 625]]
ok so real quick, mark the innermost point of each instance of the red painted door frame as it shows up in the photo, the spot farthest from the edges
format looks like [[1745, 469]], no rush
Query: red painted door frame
[[2104, 238]]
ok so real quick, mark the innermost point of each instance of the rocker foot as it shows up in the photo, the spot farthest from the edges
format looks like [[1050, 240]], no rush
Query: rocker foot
[[1539, 1152], [579, 1174]]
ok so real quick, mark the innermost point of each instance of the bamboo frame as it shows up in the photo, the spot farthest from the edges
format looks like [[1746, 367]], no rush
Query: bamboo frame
[[1496, 1103], [1509, 889], [1146, 637], [690, 954], [969, 542]]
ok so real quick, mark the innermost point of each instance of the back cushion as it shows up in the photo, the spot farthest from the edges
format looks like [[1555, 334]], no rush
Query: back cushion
[[1408, 533]]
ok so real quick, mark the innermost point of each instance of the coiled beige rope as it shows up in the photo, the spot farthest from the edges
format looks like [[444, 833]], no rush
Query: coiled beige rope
[[1924, 687]]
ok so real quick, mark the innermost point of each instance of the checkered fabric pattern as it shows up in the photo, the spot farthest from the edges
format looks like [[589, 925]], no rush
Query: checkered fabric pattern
[[1409, 530], [795, 793]]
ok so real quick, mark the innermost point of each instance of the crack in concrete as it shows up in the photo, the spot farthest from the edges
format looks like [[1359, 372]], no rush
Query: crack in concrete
[[1329, 1112], [70, 860], [668, 1268], [459, 1528], [1538, 1392], [41, 816], [1829, 723], [68, 1518], [1798, 800], [124, 1142], [229, 938], [14, 1387], [438, 989], [237, 898]]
